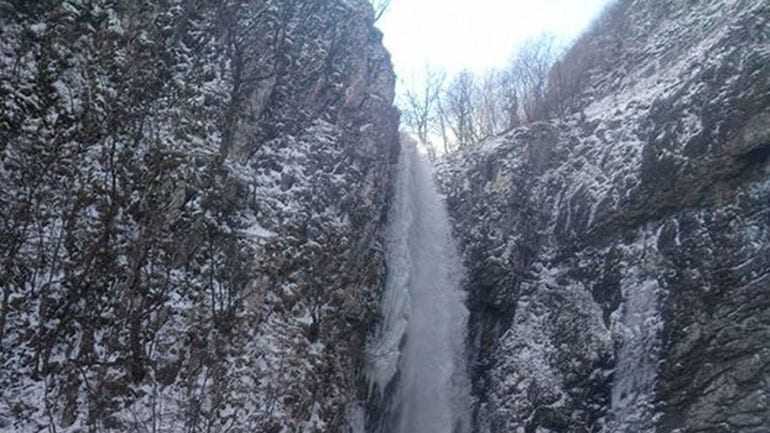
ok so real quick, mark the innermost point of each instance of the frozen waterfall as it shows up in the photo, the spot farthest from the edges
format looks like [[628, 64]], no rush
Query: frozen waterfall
[[418, 351]]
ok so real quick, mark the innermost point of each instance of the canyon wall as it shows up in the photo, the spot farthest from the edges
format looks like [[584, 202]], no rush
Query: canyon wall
[[619, 257], [192, 201]]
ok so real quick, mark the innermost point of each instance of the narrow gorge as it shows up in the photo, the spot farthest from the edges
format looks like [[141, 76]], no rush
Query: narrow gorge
[[417, 358], [210, 222]]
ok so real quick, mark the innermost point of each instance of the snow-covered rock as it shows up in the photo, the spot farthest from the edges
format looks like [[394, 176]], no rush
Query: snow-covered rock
[[192, 201], [619, 257]]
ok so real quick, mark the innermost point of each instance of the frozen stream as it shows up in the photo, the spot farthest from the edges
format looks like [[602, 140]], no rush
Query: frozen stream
[[418, 352]]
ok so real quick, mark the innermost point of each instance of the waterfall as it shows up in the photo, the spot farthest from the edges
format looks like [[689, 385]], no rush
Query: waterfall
[[417, 353], [637, 326]]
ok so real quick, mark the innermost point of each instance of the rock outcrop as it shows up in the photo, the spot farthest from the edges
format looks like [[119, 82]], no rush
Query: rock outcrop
[[619, 258], [192, 196]]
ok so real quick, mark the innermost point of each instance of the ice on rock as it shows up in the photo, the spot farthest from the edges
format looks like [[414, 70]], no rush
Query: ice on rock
[[420, 342]]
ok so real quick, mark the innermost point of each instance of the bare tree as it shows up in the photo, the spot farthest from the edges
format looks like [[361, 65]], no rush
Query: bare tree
[[380, 7], [441, 124], [508, 91], [491, 113], [420, 104], [528, 72], [461, 108], [568, 77], [470, 108]]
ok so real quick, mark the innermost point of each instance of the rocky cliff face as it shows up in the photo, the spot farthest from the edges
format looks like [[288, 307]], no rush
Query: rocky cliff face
[[191, 202], [619, 258]]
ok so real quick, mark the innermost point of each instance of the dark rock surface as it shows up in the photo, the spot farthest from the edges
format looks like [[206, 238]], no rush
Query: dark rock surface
[[619, 258], [192, 196]]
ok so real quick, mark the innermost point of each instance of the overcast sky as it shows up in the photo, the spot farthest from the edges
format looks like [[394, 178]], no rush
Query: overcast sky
[[475, 34]]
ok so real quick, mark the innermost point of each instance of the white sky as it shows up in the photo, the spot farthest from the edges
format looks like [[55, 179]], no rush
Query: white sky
[[475, 34]]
